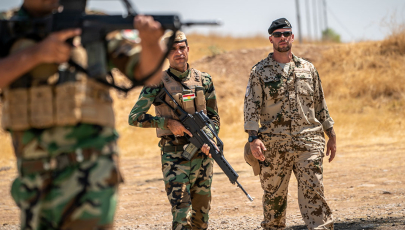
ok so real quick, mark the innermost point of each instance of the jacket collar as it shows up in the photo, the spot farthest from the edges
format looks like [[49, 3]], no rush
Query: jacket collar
[[179, 74]]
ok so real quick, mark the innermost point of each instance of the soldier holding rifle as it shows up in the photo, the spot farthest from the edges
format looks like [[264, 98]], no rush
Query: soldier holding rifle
[[63, 129], [187, 182]]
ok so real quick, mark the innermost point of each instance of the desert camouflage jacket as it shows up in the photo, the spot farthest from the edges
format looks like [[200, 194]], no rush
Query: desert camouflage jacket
[[286, 103], [139, 117]]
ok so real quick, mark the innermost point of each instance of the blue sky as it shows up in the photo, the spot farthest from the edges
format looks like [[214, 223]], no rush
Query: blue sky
[[354, 20]]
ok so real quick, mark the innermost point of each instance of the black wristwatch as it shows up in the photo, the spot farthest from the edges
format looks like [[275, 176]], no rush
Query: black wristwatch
[[252, 138]]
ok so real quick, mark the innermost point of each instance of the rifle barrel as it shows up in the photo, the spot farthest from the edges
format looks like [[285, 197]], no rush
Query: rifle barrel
[[248, 196], [202, 23]]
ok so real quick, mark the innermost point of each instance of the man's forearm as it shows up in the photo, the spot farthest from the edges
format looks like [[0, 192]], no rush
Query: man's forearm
[[331, 133], [16, 65], [148, 62]]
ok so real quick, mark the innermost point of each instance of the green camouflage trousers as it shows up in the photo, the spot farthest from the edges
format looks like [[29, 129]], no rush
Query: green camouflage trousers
[[59, 189], [274, 177], [188, 188]]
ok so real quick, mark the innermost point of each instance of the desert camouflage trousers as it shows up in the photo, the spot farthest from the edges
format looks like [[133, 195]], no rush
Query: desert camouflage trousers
[[188, 188], [275, 172]]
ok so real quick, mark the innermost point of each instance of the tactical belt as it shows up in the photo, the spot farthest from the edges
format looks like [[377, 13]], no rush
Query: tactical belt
[[61, 161], [176, 148]]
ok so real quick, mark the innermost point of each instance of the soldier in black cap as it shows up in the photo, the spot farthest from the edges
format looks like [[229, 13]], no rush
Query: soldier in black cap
[[285, 96], [282, 38]]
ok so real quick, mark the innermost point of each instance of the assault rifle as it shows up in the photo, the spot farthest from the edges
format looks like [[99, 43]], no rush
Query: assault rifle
[[196, 123], [72, 14]]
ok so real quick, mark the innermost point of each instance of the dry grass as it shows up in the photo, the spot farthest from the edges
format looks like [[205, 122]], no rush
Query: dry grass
[[211, 45], [364, 84]]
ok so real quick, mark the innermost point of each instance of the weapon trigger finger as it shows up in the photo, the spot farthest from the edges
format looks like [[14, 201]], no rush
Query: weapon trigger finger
[[65, 34], [189, 133]]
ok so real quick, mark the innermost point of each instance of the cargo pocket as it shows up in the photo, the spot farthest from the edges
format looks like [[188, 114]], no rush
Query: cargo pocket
[[189, 106], [200, 102], [304, 84], [178, 98], [274, 87]]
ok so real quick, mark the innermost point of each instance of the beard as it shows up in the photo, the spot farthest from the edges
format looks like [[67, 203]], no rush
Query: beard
[[283, 49]]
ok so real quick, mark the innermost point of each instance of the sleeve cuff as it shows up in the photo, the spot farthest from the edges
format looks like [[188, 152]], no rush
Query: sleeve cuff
[[163, 123], [251, 125], [327, 124]]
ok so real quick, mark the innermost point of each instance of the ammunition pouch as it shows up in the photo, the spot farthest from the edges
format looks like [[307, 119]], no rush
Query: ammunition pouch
[[68, 103], [51, 95]]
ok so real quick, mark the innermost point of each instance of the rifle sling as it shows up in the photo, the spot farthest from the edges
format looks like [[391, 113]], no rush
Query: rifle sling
[[176, 79]]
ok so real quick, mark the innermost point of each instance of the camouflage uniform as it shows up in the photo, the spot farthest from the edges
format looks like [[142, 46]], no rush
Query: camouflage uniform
[[187, 183], [68, 175], [290, 105]]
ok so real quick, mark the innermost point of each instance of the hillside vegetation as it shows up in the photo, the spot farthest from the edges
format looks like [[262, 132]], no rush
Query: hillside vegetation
[[364, 84]]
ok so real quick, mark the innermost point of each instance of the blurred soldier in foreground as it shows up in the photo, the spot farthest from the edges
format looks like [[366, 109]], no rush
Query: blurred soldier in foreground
[[63, 132], [285, 94], [187, 183]]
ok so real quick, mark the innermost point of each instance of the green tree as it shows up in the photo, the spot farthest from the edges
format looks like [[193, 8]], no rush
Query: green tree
[[329, 35]]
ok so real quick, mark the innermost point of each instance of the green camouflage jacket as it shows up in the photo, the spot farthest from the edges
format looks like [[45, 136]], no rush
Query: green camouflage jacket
[[140, 118], [286, 101]]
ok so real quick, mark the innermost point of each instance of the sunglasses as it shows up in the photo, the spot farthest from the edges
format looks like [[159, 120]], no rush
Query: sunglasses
[[286, 34]]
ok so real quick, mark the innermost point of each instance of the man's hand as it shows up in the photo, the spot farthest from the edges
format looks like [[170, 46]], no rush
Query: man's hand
[[257, 147], [331, 146], [54, 48], [51, 50], [206, 149], [150, 32], [177, 128]]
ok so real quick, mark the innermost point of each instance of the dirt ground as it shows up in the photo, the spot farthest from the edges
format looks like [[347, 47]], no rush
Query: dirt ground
[[364, 185]]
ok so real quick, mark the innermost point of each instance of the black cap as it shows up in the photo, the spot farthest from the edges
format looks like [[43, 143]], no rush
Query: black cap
[[280, 23]]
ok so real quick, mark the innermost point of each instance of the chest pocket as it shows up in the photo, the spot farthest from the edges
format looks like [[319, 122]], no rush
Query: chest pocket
[[274, 86], [304, 83]]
